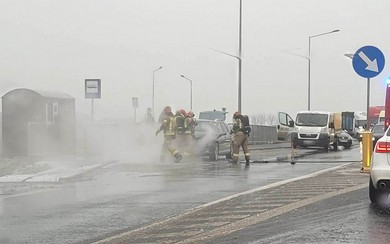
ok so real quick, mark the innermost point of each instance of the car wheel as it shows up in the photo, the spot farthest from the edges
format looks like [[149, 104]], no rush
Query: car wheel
[[214, 152], [372, 192], [229, 155], [349, 145], [336, 146]]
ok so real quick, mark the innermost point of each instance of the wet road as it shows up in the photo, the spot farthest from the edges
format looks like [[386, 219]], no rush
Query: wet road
[[128, 196], [347, 218]]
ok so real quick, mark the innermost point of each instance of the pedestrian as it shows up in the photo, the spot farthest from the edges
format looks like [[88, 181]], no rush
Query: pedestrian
[[168, 126], [240, 131], [189, 131], [148, 119]]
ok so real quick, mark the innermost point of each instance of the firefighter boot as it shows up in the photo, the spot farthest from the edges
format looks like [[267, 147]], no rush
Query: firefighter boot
[[177, 155], [247, 161]]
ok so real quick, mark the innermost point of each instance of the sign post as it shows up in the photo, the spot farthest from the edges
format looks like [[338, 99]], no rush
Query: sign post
[[368, 62], [135, 106], [92, 90]]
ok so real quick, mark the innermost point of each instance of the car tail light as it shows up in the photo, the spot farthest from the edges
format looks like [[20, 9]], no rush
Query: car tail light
[[382, 147]]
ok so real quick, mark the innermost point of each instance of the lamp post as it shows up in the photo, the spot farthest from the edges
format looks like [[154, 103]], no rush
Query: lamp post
[[191, 90], [308, 86], [153, 89], [237, 57]]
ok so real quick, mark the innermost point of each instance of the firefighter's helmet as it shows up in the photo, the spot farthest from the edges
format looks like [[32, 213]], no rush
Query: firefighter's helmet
[[236, 114], [183, 112], [190, 114], [167, 109]]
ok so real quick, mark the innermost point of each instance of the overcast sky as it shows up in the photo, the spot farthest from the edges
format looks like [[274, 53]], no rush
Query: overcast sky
[[55, 44]]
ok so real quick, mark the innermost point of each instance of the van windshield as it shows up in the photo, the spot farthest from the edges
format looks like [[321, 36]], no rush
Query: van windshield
[[312, 120]]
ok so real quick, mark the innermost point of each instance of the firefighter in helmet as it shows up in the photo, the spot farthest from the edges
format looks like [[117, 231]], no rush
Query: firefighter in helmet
[[168, 126], [240, 138], [189, 130], [180, 135]]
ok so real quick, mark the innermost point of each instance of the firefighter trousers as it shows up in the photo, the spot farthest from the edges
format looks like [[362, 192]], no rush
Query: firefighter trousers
[[168, 145], [240, 140]]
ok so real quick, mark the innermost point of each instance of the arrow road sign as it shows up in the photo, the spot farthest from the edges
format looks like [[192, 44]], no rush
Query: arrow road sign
[[368, 61]]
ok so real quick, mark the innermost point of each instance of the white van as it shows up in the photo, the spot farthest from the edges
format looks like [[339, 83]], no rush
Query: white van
[[381, 117], [316, 129]]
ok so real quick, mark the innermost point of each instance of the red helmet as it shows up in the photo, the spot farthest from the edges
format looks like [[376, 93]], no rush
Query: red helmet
[[190, 114], [167, 109], [183, 112], [236, 114]]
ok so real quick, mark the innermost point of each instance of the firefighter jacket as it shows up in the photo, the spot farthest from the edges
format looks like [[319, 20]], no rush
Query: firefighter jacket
[[238, 126], [180, 123], [189, 125], [168, 126]]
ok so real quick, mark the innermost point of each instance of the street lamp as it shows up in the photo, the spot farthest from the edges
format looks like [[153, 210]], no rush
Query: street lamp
[[191, 89], [153, 89], [308, 86], [238, 57]]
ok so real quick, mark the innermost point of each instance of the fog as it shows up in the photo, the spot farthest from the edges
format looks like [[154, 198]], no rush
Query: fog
[[56, 45]]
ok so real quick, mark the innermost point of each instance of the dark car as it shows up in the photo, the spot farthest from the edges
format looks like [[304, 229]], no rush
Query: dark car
[[378, 131], [345, 139], [213, 139]]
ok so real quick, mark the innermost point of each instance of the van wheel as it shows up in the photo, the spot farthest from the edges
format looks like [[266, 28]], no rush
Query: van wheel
[[214, 152], [326, 148], [336, 146]]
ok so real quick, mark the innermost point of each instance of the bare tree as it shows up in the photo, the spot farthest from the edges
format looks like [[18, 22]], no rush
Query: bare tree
[[272, 119], [263, 119]]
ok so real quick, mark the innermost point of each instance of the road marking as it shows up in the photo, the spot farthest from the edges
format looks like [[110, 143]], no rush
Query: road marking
[[241, 224], [271, 213], [27, 193]]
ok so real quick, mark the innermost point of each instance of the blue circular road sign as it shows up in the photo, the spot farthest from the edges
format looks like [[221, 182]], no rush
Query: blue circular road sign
[[368, 61]]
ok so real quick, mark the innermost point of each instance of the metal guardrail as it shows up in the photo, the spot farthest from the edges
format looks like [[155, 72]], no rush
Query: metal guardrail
[[262, 133], [100, 137]]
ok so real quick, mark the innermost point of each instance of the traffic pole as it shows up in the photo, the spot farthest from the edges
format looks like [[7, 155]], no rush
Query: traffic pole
[[292, 153]]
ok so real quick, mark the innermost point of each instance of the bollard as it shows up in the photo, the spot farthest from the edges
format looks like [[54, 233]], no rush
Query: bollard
[[292, 153], [366, 151]]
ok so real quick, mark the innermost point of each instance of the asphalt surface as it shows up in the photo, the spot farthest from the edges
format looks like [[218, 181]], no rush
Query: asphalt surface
[[89, 200], [219, 219], [68, 168]]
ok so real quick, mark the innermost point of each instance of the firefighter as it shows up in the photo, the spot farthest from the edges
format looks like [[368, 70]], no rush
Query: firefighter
[[180, 132], [168, 126], [189, 130], [240, 138]]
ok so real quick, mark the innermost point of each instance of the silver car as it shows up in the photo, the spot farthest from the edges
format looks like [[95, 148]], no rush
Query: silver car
[[379, 185], [213, 139]]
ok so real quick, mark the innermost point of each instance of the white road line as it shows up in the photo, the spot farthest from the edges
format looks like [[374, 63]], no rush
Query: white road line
[[119, 236]]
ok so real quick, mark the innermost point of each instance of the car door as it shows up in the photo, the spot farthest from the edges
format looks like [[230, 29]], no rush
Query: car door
[[224, 140], [285, 126]]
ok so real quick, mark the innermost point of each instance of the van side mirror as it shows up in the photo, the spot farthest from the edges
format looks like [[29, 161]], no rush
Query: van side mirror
[[291, 123]]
